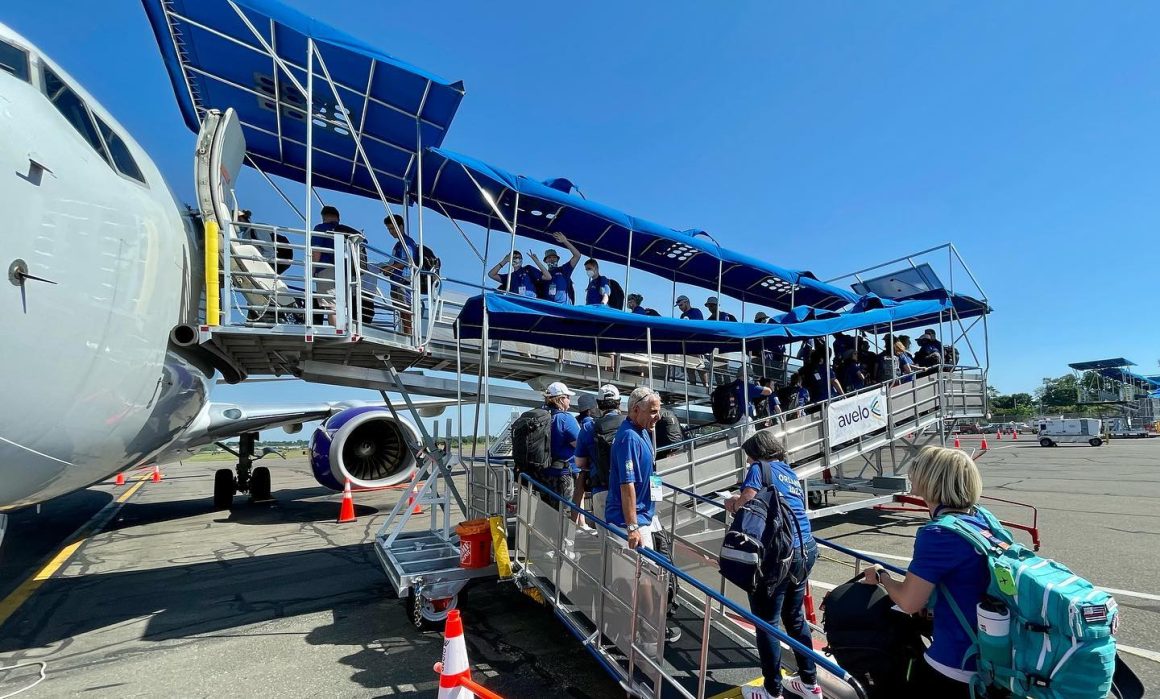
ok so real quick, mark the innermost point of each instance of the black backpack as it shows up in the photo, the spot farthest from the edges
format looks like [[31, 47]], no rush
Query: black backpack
[[652, 312], [284, 252], [532, 442], [872, 641], [615, 294], [758, 548], [724, 403], [606, 428], [668, 431], [430, 264]]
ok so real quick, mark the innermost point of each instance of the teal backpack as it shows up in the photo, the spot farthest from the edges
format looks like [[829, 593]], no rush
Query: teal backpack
[[1062, 643]]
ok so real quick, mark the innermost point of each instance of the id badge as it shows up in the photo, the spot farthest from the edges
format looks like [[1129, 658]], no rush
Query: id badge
[[656, 488]]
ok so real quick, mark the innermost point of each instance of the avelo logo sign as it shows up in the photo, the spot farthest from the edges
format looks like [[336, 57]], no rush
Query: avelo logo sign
[[853, 417]]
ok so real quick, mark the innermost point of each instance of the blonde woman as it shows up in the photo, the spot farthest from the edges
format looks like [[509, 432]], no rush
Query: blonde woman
[[949, 482]]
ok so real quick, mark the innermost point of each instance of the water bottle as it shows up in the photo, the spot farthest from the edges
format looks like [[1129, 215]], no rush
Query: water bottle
[[994, 633]]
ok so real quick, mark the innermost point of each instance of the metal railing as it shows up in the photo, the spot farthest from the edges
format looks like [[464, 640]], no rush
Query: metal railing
[[355, 289], [613, 599]]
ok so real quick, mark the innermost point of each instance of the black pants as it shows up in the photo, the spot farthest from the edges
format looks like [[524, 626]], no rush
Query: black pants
[[925, 681], [663, 544]]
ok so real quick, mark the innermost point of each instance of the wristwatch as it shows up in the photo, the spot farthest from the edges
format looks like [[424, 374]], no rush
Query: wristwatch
[[631, 528]]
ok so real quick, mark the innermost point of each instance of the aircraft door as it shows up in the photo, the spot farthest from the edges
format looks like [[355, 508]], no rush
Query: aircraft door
[[221, 151]]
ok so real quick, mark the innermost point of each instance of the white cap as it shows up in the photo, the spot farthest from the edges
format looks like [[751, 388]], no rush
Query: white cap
[[609, 392], [557, 388]]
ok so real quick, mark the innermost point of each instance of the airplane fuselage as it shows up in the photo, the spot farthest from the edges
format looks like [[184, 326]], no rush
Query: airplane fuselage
[[89, 383]]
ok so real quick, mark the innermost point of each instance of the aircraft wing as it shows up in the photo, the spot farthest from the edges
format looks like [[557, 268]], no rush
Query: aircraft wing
[[219, 421]]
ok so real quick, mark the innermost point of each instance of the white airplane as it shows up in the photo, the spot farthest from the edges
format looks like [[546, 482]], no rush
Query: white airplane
[[101, 263]]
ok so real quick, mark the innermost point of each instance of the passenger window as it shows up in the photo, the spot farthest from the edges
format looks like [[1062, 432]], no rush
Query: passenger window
[[14, 60], [73, 109], [122, 158]]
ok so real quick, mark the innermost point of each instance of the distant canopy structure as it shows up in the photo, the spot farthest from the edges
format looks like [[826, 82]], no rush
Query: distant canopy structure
[[253, 55]]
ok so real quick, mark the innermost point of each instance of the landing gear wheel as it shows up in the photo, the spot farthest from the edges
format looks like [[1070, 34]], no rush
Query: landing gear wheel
[[223, 489], [1095, 441], [1045, 442], [426, 614], [260, 484]]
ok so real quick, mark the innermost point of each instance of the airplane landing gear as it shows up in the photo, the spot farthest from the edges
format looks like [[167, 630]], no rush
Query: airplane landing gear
[[246, 478]]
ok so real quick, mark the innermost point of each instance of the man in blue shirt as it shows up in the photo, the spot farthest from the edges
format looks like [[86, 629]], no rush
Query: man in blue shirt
[[565, 431], [523, 279], [598, 287], [405, 255], [591, 480], [558, 288], [688, 312], [322, 254], [633, 486], [747, 394], [715, 314], [636, 305]]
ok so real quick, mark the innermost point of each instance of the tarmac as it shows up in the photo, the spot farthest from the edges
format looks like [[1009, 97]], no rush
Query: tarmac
[[160, 594]]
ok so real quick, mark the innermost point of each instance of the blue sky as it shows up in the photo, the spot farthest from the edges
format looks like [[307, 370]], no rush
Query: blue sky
[[822, 136]]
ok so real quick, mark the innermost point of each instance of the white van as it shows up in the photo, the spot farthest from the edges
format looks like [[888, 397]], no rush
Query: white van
[[1053, 432]]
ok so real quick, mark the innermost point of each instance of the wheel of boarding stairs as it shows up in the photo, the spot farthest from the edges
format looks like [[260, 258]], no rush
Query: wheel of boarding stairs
[[426, 614], [1045, 442], [1095, 441], [223, 489], [260, 484], [815, 499]]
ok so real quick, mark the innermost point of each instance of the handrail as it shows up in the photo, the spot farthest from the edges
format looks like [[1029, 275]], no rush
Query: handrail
[[825, 542], [687, 579]]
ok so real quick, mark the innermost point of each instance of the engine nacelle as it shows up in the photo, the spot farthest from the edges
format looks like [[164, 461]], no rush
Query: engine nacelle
[[366, 446]]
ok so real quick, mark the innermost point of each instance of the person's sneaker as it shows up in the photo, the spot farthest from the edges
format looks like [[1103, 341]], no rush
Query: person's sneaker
[[808, 691], [758, 692], [672, 634]]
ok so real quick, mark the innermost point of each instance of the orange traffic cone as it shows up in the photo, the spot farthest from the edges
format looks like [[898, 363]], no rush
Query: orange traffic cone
[[956, 442], [415, 509], [1015, 435], [346, 512], [983, 446], [156, 474], [120, 479], [998, 435], [454, 668]]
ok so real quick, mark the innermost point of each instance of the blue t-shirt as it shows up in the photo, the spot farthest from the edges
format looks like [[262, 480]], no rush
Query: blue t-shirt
[[790, 488], [943, 557], [322, 243], [754, 393], [406, 251], [523, 281], [639, 310], [723, 316], [557, 289], [565, 432], [693, 314], [631, 462], [597, 289], [852, 378], [803, 396], [905, 362]]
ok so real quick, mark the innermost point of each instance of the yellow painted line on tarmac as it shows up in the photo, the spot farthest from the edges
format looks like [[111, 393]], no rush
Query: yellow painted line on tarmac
[[15, 599]]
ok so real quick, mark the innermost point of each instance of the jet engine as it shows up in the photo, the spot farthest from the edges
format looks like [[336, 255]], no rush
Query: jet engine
[[366, 446]]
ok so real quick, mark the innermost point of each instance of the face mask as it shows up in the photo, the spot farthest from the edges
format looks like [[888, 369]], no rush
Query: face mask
[[591, 273]]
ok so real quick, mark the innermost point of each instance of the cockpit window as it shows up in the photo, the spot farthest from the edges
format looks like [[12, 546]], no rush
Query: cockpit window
[[73, 108], [122, 158], [14, 60]]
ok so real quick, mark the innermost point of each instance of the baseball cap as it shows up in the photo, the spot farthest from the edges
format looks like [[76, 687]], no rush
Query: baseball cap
[[761, 317], [557, 388], [586, 401], [551, 253], [609, 392], [712, 300], [680, 299]]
